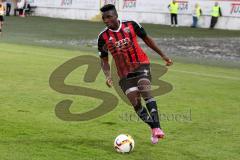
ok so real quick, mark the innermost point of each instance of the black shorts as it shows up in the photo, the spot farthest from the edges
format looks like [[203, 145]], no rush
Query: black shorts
[[1, 19], [131, 81]]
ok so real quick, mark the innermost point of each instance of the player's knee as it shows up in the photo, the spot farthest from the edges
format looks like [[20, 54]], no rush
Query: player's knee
[[134, 98], [144, 85]]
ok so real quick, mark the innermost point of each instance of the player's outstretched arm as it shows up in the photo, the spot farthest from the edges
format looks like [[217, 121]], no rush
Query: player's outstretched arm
[[150, 43], [106, 70]]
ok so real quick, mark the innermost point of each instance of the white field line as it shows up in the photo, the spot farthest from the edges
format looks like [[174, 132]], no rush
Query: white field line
[[206, 75]]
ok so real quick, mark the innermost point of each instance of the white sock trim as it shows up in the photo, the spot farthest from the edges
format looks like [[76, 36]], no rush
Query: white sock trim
[[150, 100], [143, 79], [131, 90]]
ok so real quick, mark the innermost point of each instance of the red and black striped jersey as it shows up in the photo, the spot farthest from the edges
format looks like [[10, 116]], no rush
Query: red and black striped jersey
[[123, 45]]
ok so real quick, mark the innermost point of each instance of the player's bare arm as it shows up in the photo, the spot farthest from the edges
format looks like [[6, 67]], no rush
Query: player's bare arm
[[106, 70], [150, 43]]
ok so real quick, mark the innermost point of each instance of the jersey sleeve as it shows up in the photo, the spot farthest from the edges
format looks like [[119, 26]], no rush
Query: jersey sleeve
[[102, 50], [139, 30], [220, 12]]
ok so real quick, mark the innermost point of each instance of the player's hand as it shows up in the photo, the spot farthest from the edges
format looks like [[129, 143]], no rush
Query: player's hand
[[109, 82], [168, 61]]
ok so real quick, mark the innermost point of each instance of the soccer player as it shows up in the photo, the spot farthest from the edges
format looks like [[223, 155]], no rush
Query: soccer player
[[133, 67], [2, 10]]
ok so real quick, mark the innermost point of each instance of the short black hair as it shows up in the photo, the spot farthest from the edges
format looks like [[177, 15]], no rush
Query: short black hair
[[108, 7]]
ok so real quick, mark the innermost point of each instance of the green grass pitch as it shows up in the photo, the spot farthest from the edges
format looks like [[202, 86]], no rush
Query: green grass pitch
[[29, 129]]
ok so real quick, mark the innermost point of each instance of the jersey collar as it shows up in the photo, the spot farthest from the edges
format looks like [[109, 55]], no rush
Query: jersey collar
[[120, 26]]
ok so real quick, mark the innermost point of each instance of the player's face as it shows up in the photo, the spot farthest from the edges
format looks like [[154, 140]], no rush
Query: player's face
[[110, 19]]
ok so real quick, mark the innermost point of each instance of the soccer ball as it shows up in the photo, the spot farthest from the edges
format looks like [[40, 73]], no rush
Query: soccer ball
[[124, 143]]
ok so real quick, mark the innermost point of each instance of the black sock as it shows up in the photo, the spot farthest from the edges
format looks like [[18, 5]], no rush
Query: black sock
[[153, 111], [143, 114]]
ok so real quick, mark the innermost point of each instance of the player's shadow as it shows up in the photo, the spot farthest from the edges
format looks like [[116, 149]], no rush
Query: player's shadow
[[99, 144], [109, 123], [73, 144]]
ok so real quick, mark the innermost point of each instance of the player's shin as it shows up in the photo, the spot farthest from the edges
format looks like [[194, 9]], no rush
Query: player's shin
[[153, 111], [144, 85], [143, 114]]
